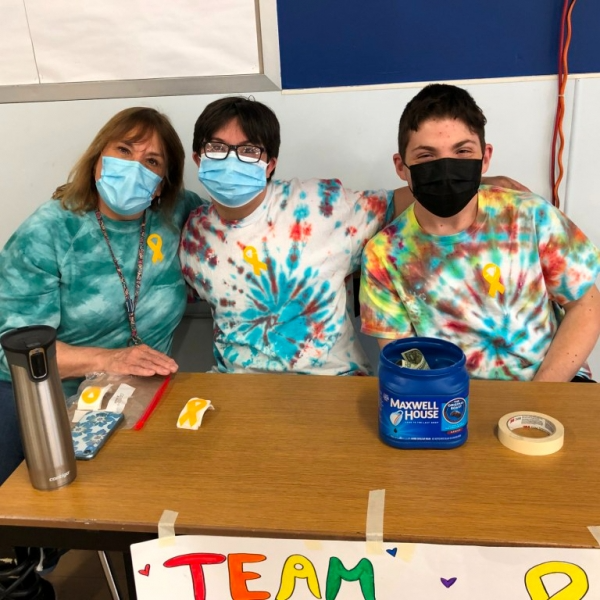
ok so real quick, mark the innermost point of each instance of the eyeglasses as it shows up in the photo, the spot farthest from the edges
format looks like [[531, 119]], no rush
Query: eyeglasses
[[220, 151]]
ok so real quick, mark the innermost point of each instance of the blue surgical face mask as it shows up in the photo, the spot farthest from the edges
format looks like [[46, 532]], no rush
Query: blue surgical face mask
[[126, 186], [231, 182]]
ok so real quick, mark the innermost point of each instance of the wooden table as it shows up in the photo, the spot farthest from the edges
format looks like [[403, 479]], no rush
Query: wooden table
[[296, 456]]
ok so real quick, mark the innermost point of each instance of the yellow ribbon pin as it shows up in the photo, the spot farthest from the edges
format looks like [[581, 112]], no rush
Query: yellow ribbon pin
[[491, 273], [192, 413], [155, 244], [91, 397], [91, 394], [251, 257]]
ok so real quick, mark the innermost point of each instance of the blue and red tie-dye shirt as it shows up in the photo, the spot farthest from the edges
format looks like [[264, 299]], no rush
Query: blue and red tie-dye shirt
[[492, 289], [276, 280]]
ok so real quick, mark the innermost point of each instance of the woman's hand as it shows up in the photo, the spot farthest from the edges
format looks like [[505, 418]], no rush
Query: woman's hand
[[139, 360], [77, 361]]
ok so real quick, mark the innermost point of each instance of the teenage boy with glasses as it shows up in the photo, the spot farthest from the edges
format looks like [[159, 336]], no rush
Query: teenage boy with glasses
[[480, 266], [272, 257]]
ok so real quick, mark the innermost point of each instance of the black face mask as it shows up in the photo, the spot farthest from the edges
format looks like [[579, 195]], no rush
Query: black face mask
[[445, 186]]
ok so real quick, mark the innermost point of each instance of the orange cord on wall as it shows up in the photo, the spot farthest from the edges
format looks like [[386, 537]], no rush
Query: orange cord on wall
[[563, 75]]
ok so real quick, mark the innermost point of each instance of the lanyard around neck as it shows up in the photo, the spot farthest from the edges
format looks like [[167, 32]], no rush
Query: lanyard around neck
[[130, 304]]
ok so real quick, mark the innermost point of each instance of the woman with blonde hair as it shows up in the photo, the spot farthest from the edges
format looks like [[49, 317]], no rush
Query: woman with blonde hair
[[99, 262]]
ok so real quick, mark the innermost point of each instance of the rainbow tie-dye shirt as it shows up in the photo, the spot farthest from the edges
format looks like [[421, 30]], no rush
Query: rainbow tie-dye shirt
[[491, 289], [275, 280]]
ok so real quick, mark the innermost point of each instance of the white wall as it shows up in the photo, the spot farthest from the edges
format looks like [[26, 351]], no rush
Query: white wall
[[349, 134], [582, 201]]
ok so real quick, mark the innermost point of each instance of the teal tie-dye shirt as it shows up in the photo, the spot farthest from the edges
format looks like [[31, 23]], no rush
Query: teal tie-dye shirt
[[492, 289], [56, 270], [276, 280]]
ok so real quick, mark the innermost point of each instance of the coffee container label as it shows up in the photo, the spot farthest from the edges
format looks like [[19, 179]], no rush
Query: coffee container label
[[422, 418]]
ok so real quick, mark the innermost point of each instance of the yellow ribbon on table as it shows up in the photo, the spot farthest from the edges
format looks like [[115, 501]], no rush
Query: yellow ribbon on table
[[192, 413]]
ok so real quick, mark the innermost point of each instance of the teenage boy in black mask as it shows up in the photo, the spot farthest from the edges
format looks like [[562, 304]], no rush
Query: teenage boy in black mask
[[480, 266]]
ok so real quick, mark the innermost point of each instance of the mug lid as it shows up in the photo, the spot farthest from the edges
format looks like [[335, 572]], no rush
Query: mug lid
[[24, 339]]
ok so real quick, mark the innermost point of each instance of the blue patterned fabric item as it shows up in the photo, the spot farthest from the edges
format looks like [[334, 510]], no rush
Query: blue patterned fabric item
[[90, 433]]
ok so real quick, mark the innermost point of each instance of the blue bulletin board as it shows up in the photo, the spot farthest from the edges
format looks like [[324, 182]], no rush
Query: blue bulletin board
[[349, 42]]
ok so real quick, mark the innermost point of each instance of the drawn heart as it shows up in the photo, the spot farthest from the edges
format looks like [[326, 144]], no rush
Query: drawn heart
[[146, 571], [392, 551], [448, 582]]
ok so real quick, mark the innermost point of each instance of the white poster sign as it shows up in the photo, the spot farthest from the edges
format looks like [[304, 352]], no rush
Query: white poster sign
[[219, 568], [112, 40], [17, 61]]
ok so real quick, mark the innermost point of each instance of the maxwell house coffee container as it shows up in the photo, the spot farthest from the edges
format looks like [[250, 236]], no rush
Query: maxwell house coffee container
[[423, 408]]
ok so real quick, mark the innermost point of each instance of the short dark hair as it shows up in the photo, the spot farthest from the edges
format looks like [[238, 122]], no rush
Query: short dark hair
[[256, 120], [440, 101]]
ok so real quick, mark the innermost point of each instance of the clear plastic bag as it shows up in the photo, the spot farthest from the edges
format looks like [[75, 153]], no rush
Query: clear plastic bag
[[147, 393]]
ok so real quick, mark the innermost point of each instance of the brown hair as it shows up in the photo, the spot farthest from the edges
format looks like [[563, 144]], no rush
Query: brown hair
[[79, 194], [440, 101]]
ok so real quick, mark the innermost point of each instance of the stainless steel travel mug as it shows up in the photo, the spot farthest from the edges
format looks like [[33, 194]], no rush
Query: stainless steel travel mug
[[41, 406]]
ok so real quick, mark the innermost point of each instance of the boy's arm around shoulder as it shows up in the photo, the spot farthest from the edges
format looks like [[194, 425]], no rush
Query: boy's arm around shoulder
[[403, 198], [575, 339]]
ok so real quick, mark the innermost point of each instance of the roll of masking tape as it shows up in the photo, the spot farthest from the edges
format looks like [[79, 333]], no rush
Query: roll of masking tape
[[549, 444]]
